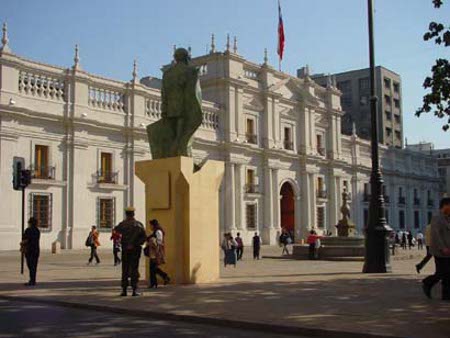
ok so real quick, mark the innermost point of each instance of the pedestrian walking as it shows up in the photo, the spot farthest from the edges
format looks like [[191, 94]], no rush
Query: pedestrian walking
[[256, 246], [116, 239], [419, 240], [410, 240], [229, 248], [440, 249], [93, 242], [133, 236], [392, 242], [403, 240], [285, 240], [30, 248], [240, 246], [156, 253], [428, 256]]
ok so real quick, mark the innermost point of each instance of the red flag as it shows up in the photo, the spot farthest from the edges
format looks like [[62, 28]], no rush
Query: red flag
[[280, 49]]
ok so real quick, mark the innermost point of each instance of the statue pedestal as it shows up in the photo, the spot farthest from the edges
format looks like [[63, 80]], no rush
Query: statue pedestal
[[186, 203]]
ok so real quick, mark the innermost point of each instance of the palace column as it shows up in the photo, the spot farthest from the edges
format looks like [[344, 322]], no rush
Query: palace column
[[230, 196]]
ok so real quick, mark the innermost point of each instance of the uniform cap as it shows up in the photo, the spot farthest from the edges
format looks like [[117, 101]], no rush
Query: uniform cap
[[130, 209]]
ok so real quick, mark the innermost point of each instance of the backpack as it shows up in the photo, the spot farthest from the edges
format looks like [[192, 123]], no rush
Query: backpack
[[89, 240]]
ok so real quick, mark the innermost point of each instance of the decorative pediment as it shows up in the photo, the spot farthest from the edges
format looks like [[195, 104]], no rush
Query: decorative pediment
[[290, 88], [253, 103], [321, 120]]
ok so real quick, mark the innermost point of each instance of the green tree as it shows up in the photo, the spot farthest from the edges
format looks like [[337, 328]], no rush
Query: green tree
[[437, 100]]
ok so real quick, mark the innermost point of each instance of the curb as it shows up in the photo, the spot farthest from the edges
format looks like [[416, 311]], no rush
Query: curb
[[228, 323]]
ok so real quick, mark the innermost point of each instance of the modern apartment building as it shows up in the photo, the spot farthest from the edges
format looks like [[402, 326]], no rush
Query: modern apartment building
[[355, 101]]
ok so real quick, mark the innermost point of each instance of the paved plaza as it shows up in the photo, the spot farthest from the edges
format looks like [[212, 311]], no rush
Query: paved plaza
[[275, 294]]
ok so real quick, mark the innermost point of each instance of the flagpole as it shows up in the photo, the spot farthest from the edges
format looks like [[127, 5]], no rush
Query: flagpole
[[279, 64]]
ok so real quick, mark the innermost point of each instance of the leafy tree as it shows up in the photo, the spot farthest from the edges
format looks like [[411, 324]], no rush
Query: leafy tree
[[438, 100]]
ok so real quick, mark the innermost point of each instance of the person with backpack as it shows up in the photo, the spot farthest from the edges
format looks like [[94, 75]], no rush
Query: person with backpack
[[93, 242], [240, 246]]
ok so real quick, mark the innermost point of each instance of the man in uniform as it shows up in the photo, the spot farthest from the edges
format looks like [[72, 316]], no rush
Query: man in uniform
[[133, 236]]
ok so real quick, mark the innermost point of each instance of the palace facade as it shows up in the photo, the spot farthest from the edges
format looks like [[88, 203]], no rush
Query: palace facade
[[287, 161]]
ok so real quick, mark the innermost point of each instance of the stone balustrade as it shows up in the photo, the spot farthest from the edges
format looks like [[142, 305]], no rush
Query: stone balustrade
[[41, 85], [107, 99]]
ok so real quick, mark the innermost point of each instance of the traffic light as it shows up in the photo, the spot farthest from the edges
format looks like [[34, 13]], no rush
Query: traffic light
[[21, 176], [18, 166]]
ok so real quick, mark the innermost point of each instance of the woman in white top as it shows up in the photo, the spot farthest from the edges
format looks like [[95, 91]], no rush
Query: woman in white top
[[157, 254]]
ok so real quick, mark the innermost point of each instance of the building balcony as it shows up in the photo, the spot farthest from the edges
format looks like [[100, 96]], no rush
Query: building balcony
[[416, 201], [288, 145], [107, 177], [430, 203], [321, 193], [251, 188], [43, 172], [402, 200], [321, 151], [251, 138]]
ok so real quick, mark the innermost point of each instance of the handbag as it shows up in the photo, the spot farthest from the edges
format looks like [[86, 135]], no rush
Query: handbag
[[147, 251]]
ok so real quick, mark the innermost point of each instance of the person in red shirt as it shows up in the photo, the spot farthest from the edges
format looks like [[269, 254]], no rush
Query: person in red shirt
[[116, 238], [311, 240]]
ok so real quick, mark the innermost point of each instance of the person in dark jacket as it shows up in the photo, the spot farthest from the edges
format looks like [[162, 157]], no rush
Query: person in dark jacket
[[256, 246], [133, 236], [30, 248]]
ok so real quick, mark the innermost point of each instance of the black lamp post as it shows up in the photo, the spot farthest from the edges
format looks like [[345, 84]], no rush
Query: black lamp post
[[377, 258]]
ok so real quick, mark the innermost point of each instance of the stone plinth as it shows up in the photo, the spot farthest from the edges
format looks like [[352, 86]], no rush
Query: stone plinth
[[333, 248], [186, 203]]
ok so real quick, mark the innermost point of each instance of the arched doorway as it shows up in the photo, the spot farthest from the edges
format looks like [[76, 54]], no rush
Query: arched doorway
[[287, 207]]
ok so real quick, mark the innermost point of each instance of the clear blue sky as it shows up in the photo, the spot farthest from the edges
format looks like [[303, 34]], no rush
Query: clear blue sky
[[329, 35]]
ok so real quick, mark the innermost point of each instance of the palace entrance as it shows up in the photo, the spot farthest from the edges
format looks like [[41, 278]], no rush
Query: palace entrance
[[287, 207]]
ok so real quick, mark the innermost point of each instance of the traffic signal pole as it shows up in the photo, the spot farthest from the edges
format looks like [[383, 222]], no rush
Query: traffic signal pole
[[22, 256]]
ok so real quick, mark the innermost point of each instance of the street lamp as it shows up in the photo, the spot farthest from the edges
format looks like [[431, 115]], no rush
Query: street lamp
[[377, 257]]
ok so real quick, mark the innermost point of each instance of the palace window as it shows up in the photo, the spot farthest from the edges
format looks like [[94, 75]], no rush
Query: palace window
[[250, 182], [106, 174], [288, 144], [41, 209], [401, 219], [321, 191], [106, 212], [320, 145], [416, 219], [41, 168], [250, 134], [250, 213], [321, 217]]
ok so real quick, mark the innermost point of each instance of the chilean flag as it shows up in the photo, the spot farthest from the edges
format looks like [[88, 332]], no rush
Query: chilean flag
[[280, 49]]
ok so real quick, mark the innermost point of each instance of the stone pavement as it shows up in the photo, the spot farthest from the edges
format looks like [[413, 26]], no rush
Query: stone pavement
[[318, 298]]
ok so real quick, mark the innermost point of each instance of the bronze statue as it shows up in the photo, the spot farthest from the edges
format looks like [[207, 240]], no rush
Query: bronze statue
[[181, 110], [345, 227]]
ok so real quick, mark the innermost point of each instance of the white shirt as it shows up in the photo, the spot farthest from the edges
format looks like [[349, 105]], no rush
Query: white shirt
[[159, 237]]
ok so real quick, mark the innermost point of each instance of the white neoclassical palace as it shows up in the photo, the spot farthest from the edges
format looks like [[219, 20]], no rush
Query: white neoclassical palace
[[287, 161]]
